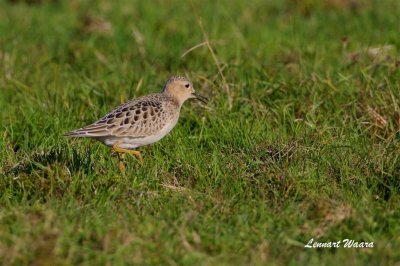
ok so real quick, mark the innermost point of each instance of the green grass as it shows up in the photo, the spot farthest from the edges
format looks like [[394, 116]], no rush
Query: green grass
[[310, 147]]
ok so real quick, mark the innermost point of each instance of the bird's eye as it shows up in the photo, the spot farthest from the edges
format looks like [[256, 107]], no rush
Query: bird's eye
[[187, 85]]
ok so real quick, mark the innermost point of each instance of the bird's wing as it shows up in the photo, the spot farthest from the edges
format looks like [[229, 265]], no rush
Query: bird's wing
[[137, 119]]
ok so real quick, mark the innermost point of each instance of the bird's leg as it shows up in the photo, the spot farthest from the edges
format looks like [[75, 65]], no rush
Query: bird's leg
[[121, 161], [136, 154], [121, 157]]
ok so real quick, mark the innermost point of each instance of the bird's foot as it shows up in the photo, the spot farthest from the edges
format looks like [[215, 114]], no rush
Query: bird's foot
[[121, 154]]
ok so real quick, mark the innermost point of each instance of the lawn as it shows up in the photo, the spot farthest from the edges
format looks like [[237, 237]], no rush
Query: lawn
[[300, 139]]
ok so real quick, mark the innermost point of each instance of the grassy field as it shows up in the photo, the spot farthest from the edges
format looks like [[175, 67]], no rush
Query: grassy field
[[300, 139]]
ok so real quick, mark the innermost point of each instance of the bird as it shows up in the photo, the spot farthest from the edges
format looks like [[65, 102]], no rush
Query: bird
[[141, 121]]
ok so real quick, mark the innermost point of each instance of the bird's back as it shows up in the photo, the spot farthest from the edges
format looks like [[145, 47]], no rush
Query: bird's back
[[138, 118]]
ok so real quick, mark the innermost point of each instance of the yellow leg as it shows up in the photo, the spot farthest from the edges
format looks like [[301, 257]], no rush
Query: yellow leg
[[121, 162], [136, 154]]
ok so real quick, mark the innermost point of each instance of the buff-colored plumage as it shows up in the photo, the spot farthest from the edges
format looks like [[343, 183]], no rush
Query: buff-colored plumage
[[141, 121], [134, 120]]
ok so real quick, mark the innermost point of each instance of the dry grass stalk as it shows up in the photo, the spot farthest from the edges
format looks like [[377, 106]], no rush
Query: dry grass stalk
[[206, 42]]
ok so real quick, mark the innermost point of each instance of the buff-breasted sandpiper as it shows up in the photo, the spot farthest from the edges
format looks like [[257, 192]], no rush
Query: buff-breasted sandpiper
[[141, 121]]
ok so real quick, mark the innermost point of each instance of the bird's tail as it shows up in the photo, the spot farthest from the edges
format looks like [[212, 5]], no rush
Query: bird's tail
[[89, 131], [76, 134]]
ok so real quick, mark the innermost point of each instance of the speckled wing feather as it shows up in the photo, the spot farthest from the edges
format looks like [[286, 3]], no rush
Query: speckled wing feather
[[138, 118]]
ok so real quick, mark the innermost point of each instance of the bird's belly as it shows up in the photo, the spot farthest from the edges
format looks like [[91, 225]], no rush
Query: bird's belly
[[127, 142]]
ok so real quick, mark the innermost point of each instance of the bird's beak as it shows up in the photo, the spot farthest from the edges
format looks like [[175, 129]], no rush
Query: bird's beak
[[200, 98]]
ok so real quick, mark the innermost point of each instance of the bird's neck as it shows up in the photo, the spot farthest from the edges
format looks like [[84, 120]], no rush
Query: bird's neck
[[176, 100]]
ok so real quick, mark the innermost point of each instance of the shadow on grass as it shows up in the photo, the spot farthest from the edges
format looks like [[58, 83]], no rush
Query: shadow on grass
[[73, 159]]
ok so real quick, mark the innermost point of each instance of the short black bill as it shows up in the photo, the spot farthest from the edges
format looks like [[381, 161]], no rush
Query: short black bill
[[200, 98]]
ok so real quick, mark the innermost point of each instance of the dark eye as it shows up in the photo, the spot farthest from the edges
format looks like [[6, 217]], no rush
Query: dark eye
[[187, 85]]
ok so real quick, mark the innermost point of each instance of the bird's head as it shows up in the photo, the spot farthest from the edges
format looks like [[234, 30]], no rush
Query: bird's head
[[182, 89]]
